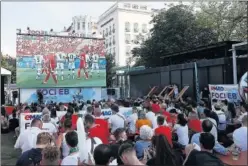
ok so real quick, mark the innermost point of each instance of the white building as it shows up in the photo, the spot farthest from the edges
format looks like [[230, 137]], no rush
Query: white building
[[85, 25], [124, 26]]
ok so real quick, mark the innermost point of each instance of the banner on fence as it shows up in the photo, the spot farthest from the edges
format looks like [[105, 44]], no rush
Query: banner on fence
[[26, 118], [225, 92]]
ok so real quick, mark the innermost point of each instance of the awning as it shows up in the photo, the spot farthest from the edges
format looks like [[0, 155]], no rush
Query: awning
[[5, 72]]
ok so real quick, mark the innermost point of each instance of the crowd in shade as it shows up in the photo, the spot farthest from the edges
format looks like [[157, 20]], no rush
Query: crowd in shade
[[158, 132]]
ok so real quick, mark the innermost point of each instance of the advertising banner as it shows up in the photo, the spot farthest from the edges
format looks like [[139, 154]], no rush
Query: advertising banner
[[225, 92], [26, 118], [64, 95], [60, 61]]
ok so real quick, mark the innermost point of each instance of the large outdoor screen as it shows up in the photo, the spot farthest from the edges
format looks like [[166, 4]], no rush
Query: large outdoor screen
[[56, 61]]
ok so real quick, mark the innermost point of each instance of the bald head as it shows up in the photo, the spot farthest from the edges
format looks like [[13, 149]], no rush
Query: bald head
[[46, 118], [45, 111]]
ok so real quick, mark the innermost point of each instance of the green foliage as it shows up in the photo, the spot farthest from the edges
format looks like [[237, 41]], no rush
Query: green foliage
[[9, 63], [227, 18], [110, 64], [174, 30]]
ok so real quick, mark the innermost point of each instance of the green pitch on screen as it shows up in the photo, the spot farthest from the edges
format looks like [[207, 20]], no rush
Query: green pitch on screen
[[26, 78]]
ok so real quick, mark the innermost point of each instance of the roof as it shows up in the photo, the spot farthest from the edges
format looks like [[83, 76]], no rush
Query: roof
[[5, 72], [201, 48]]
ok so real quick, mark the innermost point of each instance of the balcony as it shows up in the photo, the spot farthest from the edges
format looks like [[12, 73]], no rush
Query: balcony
[[113, 30], [127, 29], [106, 45], [113, 42], [110, 44], [127, 41], [106, 34], [144, 31], [135, 30]]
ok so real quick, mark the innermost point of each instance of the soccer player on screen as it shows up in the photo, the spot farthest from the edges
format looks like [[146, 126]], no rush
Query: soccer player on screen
[[38, 60], [51, 68], [60, 57], [82, 65], [45, 64], [95, 62], [71, 66]]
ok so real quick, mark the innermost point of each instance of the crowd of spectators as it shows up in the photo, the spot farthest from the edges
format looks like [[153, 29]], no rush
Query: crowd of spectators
[[158, 132]]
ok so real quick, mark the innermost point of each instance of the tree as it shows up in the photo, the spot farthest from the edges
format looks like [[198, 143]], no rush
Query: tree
[[174, 30], [227, 18], [110, 64], [9, 63]]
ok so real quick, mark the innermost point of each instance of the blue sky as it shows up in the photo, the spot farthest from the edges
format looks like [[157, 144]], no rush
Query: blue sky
[[46, 15]]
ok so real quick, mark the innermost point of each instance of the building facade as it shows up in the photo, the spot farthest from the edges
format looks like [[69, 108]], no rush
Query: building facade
[[124, 26], [85, 25]]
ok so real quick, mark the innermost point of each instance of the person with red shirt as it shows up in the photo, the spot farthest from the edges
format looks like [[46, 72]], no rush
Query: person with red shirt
[[166, 114], [51, 68], [163, 130], [99, 119], [82, 65], [155, 107], [95, 130], [73, 116]]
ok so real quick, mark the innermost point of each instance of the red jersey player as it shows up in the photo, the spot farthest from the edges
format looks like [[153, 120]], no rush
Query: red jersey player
[[51, 68], [82, 65]]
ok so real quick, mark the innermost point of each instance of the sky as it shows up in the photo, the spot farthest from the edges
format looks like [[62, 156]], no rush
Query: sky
[[46, 16]]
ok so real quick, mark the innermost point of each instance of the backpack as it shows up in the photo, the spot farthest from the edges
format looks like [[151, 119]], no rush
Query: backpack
[[34, 161]]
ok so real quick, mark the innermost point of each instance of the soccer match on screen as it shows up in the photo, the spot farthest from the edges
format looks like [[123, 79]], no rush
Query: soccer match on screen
[[57, 61]]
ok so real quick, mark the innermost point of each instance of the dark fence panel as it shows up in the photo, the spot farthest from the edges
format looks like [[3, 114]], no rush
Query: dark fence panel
[[176, 78], [165, 78], [216, 75], [188, 79], [212, 71]]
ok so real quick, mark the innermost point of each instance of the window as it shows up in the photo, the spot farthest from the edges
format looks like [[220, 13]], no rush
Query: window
[[110, 42], [127, 5], [128, 38], [83, 25], [78, 25], [110, 30], [143, 7], [103, 33], [106, 31], [136, 39], [89, 25], [144, 28], [113, 40], [106, 43], [127, 27], [135, 6], [113, 28], [136, 27], [113, 51], [128, 50]]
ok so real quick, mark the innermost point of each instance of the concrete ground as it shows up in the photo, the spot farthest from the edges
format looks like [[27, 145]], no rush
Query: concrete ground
[[9, 155]]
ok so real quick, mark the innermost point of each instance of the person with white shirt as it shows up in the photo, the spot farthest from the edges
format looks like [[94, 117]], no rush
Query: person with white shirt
[[152, 117], [72, 141], [27, 139], [221, 116], [48, 125], [182, 131], [240, 135], [131, 120], [116, 120], [244, 110]]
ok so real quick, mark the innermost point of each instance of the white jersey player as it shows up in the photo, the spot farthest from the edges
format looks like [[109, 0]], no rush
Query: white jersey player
[[60, 58], [38, 61], [71, 66], [95, 65]]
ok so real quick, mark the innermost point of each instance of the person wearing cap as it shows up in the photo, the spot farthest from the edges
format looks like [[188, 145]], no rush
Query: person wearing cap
[[128, 155], [221, 117], [116, 120]]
